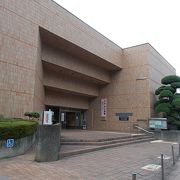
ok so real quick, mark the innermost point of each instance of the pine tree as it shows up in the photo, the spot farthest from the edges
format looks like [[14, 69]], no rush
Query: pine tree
[[169, 100]]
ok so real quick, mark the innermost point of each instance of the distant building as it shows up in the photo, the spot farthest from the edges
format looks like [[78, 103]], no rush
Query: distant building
[[50, 59]]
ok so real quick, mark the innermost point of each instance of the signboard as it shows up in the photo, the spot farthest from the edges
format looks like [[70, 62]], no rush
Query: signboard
[[10, 143], [47, 119], [158, 123], [103, 107], [124, 116], [62, 117]]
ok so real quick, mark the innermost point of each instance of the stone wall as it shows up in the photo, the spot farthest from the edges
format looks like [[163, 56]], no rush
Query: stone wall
[[19, 148]]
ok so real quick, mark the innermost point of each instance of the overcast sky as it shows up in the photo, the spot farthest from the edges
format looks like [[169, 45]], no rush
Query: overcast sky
[[133, 22]]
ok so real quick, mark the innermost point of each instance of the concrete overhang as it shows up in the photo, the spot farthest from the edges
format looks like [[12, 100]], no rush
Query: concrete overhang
[[56, 41], [55, 68], [56, 89]]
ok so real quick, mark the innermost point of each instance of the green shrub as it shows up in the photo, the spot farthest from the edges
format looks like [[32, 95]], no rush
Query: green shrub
[[163, 107], [171, 119], [168, 100], [170, 79], [176, 103], [177, 95], [157, 92], [165, 93], [17, 128], [32, 114], [175, 114], [177, 123], [175, 84], [170, 89], [160, 101]]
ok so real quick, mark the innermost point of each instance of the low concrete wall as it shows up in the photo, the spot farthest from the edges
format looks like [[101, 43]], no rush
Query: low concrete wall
[[20, 147], [168, 135], [48, 143]]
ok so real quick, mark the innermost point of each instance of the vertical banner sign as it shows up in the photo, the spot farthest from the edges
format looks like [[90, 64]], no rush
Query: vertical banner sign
[[62, 117], [47, 119], [103, 107]]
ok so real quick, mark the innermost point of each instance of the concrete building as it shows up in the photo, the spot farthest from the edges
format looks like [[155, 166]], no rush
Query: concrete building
[[50, 59]]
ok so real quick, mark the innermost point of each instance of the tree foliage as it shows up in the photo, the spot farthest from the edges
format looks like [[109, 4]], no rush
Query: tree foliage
[[163, 107], [170, 79], [175, 84], [176, 95], [168, 100], [158, 91], [170, 88], [165, 94]]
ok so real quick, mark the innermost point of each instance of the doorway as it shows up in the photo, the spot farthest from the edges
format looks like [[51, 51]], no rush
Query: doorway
[[71, 118]]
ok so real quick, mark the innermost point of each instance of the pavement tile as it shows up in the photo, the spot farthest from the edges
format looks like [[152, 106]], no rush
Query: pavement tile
[[114, 163]]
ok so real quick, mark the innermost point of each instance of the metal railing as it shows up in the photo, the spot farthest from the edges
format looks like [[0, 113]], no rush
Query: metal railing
[[144, 130]]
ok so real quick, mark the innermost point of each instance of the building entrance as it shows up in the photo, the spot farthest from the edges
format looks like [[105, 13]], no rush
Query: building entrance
[[71, 118]]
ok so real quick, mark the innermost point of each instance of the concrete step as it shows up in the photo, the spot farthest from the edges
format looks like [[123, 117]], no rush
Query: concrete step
[[105, 142], [63, 139], [91, 149]]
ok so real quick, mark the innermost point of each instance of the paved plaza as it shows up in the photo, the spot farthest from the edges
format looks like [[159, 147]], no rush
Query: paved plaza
[[110, 164]]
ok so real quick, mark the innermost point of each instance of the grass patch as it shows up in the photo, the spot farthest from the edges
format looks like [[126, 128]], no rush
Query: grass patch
[[16, 128]]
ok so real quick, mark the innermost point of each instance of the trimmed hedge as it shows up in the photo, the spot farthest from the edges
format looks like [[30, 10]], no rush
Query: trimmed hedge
[[32, 114], [16, 128], [177, 95], [177, 123], [169, 100], [160, 101], [175, 84], [176, 103], [158, 91], [175, 115], [170, 79], [163, 107], [165, 93], [173, 90]]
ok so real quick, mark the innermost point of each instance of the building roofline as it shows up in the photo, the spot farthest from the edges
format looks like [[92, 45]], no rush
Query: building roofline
[[135, 46], [162, 56], [143, 44]]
